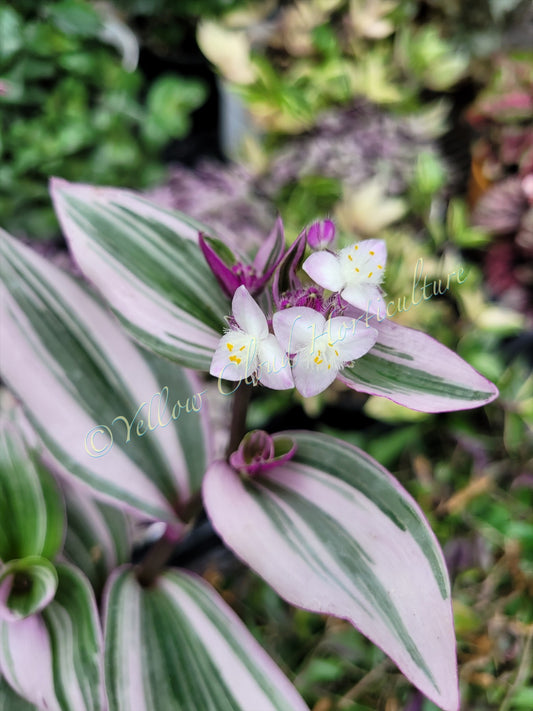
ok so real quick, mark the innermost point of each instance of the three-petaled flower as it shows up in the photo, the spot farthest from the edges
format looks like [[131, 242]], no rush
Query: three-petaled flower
[[320, 348], [356, 272], [248, 350]]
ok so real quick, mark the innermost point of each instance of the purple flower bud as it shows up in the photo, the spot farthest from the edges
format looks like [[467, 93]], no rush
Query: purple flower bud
[[321, 234]]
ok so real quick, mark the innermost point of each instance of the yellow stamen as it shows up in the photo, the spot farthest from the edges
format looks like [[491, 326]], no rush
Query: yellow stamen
[[356, 269], [356, 246], [350, 258], [329, 367], [379, 266], [336, 352], [242, 348], [370, 274], [372, 253], [318, 360], [235, 359], [230, 346]]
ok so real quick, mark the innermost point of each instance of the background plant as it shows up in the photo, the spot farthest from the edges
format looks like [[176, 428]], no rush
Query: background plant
[[73, 103]]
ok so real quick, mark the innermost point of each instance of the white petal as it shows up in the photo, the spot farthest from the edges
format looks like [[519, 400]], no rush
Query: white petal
[[364, 296], [324, 268], [235, 357], [310, 379], [378, 246], [274, 369], [355, 345], [297, 327], [248, 314], [363, 263]]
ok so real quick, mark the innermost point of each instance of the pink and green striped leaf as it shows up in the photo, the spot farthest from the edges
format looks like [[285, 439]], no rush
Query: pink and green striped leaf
[[99, 537], [414, 370], [147, 264], [333, 532], [27, 586], [32, 516], [53, 659], [178, 645], [127, 423]]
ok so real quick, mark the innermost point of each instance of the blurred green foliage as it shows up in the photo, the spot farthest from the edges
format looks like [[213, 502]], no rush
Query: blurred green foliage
[[71, 106]]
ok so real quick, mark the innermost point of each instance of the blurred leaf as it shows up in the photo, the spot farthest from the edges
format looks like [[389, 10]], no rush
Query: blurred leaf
[[457, 220], [387, 411], [65, 643], [11, 38], [10, 701], [31, 505], [27, 585], [99, 538], [75, 18], [170, 100]]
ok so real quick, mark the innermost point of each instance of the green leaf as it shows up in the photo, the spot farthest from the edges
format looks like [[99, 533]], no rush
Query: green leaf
[[169, 101], [11, 39], [75, 18]]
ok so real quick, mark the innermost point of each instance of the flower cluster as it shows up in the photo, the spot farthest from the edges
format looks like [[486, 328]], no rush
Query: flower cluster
[[311, 336]]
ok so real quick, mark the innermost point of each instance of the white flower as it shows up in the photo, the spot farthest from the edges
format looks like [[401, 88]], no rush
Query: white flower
[[320, 348], [356, 272], [250, 350]]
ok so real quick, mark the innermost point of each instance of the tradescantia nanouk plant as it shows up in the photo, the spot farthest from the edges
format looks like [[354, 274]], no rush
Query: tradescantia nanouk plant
[[126, 431]]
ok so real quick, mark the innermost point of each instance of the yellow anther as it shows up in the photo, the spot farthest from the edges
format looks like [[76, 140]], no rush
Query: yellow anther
[[372, 253], [230, 346], [242, 348], [356, 246], [350, 258], [370, 274], [329, 367], [336, 352], [356, 269], [379, 266], [235, 359], [318, 360]]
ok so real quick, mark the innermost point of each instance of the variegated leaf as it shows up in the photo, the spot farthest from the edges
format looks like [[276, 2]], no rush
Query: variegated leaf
[[333, 532], [146, 262], [130, 425], [177, 645], [26, 587], [414, 370], [54, 658], [32, 517], [99, 537]]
